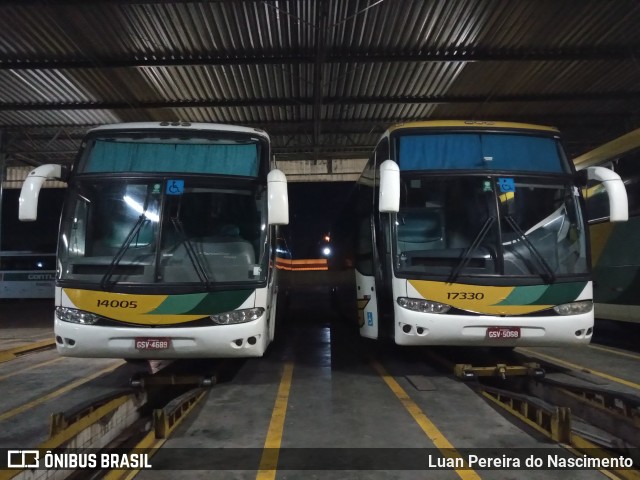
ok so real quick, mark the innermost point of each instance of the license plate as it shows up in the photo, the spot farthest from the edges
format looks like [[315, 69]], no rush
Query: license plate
[[153, 343], [503, 333]]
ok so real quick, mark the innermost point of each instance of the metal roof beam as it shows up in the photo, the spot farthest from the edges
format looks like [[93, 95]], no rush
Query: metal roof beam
[[318, 69], [379, 125], [453, 54], [286, 102]]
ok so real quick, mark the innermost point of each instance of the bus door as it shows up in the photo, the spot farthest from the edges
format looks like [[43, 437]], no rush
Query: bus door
[[366, 291], [383, 273]]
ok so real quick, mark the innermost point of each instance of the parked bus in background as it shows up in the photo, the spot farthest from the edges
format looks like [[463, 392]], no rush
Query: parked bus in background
[[614, 247], [473, 233], [28, 250], [167, 242]]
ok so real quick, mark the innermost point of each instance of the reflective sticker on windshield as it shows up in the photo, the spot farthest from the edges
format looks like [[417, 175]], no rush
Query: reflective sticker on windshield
[[175, 187], [506, 184]]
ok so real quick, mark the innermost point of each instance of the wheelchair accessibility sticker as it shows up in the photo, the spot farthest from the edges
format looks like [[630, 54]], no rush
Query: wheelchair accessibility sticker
[[506, 185], [175, 187]]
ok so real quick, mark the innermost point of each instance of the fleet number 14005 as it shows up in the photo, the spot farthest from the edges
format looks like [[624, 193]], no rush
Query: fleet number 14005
[[118, 303]]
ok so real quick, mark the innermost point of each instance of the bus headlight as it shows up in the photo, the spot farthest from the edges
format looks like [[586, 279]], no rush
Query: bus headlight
[[73, 315], [574, 308], [237, 316], [423, 306]]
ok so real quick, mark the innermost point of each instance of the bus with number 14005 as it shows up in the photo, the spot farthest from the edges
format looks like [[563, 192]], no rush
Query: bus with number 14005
[[167, 242]]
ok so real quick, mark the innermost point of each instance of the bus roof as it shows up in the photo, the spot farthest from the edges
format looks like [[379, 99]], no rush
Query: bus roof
[[471, 124], [609, 151], [180, 126]]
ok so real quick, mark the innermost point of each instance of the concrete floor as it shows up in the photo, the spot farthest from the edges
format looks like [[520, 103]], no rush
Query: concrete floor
[[25, 321], [340, 410]]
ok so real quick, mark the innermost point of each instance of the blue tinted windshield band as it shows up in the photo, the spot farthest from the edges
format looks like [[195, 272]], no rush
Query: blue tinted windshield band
[[229, 159], [479, 151]]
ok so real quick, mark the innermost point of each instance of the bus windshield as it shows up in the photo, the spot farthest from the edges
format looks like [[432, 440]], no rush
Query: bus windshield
[[483, 225], [163, 231]]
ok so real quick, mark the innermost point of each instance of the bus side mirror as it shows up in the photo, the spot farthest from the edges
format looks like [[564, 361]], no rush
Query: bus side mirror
[[613, 184], [389, 200], [278, 199], [28, 202]]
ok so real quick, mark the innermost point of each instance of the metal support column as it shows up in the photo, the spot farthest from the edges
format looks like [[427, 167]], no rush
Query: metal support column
[[3, 156]]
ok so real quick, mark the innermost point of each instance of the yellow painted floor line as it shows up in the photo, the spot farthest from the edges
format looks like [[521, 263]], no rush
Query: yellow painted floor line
[[32, 367], [578, 454], [56, 393], [12, 353], [582, 368], [269, 461], [635, 356], [428, 427], [7, 344], [150, 445]]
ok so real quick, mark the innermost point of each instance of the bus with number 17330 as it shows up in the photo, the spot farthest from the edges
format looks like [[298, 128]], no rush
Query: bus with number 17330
[[474, 233]]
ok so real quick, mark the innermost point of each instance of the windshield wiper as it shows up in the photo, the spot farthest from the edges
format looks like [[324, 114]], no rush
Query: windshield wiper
[[127, 241], [466, 256], [548, 272], [191, 251], [124, 247]]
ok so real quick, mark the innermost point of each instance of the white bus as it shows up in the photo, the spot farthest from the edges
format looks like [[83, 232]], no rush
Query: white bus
[[27, 274], [473, 233], [167, 242], [28, 250]]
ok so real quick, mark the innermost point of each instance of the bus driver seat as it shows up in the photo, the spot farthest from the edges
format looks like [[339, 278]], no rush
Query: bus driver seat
[[420, 229]]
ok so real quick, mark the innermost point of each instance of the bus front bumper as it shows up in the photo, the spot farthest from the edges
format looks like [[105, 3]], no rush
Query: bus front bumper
[[217, 341], [416, 328]]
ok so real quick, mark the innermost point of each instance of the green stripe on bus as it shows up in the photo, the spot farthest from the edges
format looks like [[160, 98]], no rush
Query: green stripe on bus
[[178, 304], [527, 295], [554, 294], [218, 302], [560, 293], [202, 303]]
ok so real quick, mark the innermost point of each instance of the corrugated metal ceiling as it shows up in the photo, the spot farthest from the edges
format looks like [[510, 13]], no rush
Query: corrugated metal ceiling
[[324, 77]]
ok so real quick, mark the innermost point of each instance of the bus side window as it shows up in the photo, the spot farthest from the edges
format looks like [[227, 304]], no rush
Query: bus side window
[[77, 240]]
